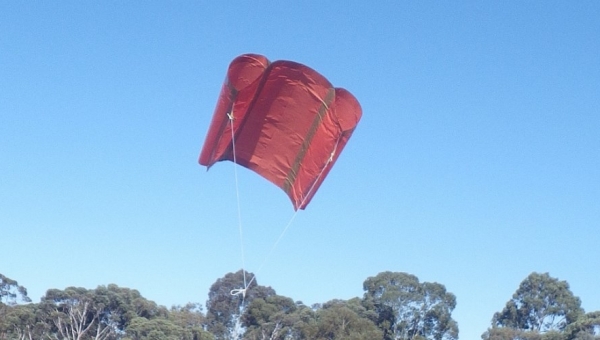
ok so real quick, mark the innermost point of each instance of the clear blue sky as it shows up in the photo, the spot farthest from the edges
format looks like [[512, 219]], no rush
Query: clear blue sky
[[477, 160]]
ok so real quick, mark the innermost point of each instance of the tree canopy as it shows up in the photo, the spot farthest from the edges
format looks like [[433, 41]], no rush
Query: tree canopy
[[394, 306], [409, 309], [541, 303], [11, 292], [543, 308]]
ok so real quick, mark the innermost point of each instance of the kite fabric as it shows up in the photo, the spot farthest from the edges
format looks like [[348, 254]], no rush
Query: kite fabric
[[289, 124]]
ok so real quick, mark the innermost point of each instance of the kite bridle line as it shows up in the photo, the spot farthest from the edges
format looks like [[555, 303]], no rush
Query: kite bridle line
[[239, 210], [308, 194], [242, 291]]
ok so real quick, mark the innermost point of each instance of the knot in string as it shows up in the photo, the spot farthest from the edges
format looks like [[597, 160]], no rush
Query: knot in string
[[239, 291]]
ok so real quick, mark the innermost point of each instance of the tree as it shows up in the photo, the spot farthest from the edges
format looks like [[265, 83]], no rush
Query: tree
[[269, 318], [541, 304], [23, 322], [12, 316], [345, 320], [121, 305], [279, 318], [10, 292], [155, 329], [224, 309], [587, 327], [408, 309], [191, 319], [75, 314], [507, 333], [102, 313]]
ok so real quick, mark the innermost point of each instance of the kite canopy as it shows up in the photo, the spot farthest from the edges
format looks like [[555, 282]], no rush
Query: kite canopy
[[289, 124]]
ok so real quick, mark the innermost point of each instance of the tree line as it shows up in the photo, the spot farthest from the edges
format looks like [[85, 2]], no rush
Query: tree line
[[394, 306]]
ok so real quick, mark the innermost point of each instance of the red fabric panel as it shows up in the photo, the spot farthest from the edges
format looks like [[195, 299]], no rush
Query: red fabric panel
[[290, 124], [238, 90]]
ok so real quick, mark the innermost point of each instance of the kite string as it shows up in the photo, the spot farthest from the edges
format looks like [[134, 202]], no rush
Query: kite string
[[239, 211], [314, 184], [242, 291]]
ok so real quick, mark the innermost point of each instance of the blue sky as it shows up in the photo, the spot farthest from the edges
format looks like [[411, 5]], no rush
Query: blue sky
[[476, 161]]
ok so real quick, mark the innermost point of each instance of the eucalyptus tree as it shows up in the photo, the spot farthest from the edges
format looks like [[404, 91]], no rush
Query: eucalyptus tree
[[227, 299], [541, 304], [272, 317], [586, 327], [104, 313], [11, 292], [17, 321], [76, 314], [409, 309], [191, 319], [24, 321], [345, 320]]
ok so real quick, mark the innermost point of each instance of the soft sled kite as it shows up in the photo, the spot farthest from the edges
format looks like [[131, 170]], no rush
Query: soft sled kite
[[289, 124]]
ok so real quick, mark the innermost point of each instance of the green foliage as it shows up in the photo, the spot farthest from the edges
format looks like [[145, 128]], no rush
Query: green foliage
[[105, 313], [224, 309], [23, 322], [586, 327], [102, 313], [509, 333], [542, 304], [155, 329], [409, 309], [124, 304], [10, 291], [191, 319], [273, 317], [395, 306], [77, 312], [278, 318], [350, 320], [543, 308]]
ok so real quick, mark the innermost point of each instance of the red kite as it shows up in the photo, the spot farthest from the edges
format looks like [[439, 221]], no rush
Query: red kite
[[289, 124]]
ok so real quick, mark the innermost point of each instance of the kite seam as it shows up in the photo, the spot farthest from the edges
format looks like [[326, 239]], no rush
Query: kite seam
[[293, 172]]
